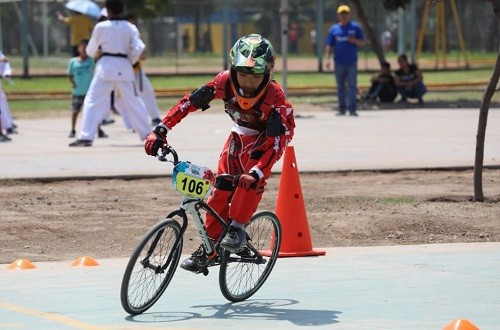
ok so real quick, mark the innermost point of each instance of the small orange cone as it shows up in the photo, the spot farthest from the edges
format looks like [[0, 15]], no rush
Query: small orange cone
[[290, 209], [21, 264], [85, 261], [460, 324]]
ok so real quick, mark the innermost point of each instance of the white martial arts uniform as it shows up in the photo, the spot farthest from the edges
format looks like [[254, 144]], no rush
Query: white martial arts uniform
[[147, 94], [5, 114], [121, 46]]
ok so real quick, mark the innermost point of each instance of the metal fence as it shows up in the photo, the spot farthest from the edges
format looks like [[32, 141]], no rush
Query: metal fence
[[196, 26]]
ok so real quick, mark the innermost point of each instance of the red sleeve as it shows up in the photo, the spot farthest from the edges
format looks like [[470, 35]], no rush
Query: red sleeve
[[183, 107]]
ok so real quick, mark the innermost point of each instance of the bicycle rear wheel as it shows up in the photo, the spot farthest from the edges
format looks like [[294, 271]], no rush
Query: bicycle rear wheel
[[151, 267], [242, 274]]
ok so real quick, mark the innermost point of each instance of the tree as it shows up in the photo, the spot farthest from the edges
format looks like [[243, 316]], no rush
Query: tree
[[147, 8], [483, 116], [370, 32], [395, 4]]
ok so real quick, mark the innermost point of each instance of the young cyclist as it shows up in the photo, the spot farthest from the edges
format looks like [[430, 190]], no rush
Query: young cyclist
[[263, 124]]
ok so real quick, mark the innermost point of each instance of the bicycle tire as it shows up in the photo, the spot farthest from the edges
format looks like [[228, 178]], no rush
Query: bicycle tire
[[142, 286], [239, 279]]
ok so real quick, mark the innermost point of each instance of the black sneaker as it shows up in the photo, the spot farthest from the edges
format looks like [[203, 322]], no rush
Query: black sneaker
[[81, 143], [198, 261], [107, 121], [72, 133], [155, 122], [5, 138], [235, 239], [101, 134], [11, 130]]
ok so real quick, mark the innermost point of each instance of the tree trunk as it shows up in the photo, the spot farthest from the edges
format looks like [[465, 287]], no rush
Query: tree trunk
[[370, 33], [483, 119], [481, 132]]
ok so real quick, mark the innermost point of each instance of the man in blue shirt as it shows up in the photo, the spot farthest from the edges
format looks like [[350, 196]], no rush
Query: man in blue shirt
[[343, 40]]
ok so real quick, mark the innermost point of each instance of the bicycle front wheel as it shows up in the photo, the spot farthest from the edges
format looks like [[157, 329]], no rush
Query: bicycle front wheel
[[151, 267], [242, 274]]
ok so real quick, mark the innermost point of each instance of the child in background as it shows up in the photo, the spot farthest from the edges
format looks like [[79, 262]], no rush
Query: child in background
[[80, 72]]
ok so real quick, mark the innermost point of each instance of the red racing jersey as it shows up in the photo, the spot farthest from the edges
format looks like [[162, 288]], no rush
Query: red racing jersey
[[251, 122]]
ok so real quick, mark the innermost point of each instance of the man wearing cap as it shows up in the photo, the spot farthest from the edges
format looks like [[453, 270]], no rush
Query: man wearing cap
[[343, 40]]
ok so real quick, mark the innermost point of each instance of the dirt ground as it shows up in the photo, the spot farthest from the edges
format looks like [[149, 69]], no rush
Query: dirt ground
[[62, 220]]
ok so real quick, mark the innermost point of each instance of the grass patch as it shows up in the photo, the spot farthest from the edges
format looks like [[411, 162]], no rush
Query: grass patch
[[394, 200], [190, 82]]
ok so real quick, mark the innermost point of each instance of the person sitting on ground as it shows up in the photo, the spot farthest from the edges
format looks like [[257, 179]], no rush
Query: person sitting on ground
[[383, 86], [409, 81]]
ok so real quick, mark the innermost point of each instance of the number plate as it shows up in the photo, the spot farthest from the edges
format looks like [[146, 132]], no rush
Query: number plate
[[192, 180]]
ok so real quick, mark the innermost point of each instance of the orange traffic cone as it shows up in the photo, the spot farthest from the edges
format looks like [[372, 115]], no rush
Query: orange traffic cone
[[290, 209], [460, 324], [84, 261], [21, 264]]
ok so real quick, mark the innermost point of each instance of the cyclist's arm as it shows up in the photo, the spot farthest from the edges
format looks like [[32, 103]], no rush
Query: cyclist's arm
[[200, 98]]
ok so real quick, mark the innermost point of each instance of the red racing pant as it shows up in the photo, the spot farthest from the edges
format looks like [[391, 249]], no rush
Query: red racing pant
[[239, 155]]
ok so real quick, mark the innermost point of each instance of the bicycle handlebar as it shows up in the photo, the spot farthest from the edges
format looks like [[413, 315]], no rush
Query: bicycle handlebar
[[168, 150], [223, 181]]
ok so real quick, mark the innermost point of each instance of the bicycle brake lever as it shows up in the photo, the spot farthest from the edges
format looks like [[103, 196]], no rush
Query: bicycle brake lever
[[164, 153]]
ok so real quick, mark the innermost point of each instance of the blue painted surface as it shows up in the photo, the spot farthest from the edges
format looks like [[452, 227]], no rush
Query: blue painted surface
[[398, 287]]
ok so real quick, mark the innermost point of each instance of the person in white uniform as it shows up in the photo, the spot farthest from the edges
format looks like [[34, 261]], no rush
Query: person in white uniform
[[5, 114], [146, 91], [117, 45]]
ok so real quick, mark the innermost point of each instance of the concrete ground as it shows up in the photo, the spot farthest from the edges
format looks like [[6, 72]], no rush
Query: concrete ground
[[395, 287], [389, 139]]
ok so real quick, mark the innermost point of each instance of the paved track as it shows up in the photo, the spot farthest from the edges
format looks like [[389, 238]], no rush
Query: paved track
[[390, 139], [398, 287]]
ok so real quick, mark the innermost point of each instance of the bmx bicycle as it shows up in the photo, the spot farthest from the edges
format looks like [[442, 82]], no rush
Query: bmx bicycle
[[155, 259]]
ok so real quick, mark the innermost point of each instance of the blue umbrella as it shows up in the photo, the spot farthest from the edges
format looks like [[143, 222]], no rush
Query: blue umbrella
[[85, 7]]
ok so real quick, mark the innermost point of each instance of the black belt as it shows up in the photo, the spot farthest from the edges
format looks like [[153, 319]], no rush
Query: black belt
[[114, 55]]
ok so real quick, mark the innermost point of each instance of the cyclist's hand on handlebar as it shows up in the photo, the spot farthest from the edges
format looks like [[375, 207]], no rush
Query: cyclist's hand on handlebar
[[245, 181], [157, 139]]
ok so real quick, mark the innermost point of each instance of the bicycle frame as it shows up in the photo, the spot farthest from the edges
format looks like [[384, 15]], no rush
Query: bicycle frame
[[192, 207]]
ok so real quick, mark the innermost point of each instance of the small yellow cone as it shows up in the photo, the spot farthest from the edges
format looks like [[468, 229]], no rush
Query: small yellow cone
[[21, 264], [460, 324], [85, 261]]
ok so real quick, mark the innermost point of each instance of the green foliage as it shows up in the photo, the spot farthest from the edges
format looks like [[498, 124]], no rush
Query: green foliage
[[395, 4], [147, 8]]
